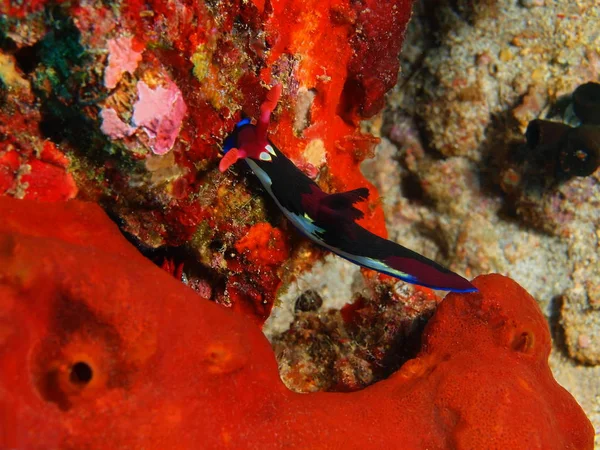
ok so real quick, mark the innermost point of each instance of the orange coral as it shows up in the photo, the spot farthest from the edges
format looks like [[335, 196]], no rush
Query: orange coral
[[48, 178], [319, 35], [264, 245], [34, 169], [101, 349]]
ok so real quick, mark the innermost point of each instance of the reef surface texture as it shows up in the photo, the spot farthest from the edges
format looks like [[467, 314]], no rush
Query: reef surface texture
[[458, 180], [496, 69], [140, 361]]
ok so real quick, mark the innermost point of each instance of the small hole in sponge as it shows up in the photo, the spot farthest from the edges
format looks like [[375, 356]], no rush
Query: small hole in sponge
[[81, 373], [524, 342]]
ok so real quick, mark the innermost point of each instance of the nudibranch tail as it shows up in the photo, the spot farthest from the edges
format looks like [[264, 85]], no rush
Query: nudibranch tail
[[328, 219], [356, 244], [428, 275]]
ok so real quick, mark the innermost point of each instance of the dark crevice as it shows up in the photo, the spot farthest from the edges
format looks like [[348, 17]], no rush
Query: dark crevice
[[412, 188], [403, 349], [27, 58]]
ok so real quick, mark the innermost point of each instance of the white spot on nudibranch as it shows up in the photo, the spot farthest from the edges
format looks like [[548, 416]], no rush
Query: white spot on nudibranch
[[270, 150], [264, 156]]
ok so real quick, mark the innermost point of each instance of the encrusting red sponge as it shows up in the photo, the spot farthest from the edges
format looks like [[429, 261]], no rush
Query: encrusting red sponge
[[99, 348]]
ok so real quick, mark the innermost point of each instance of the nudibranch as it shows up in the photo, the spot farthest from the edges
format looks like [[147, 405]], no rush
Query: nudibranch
[[328, 220]]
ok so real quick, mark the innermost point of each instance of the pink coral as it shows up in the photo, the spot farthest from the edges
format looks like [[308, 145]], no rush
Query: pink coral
[[160, 113], [122, 58], [113, 126]]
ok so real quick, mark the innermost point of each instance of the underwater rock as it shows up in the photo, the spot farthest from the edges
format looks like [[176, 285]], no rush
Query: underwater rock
[[328, 348], [550, 193], [492, 59], [100, 348]]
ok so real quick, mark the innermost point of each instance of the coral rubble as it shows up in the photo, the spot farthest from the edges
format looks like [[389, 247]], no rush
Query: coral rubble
[[100, 348]]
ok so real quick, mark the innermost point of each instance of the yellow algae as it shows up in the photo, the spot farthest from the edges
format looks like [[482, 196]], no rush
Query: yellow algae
[[201, 60], [9, 73], [314, 153]]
